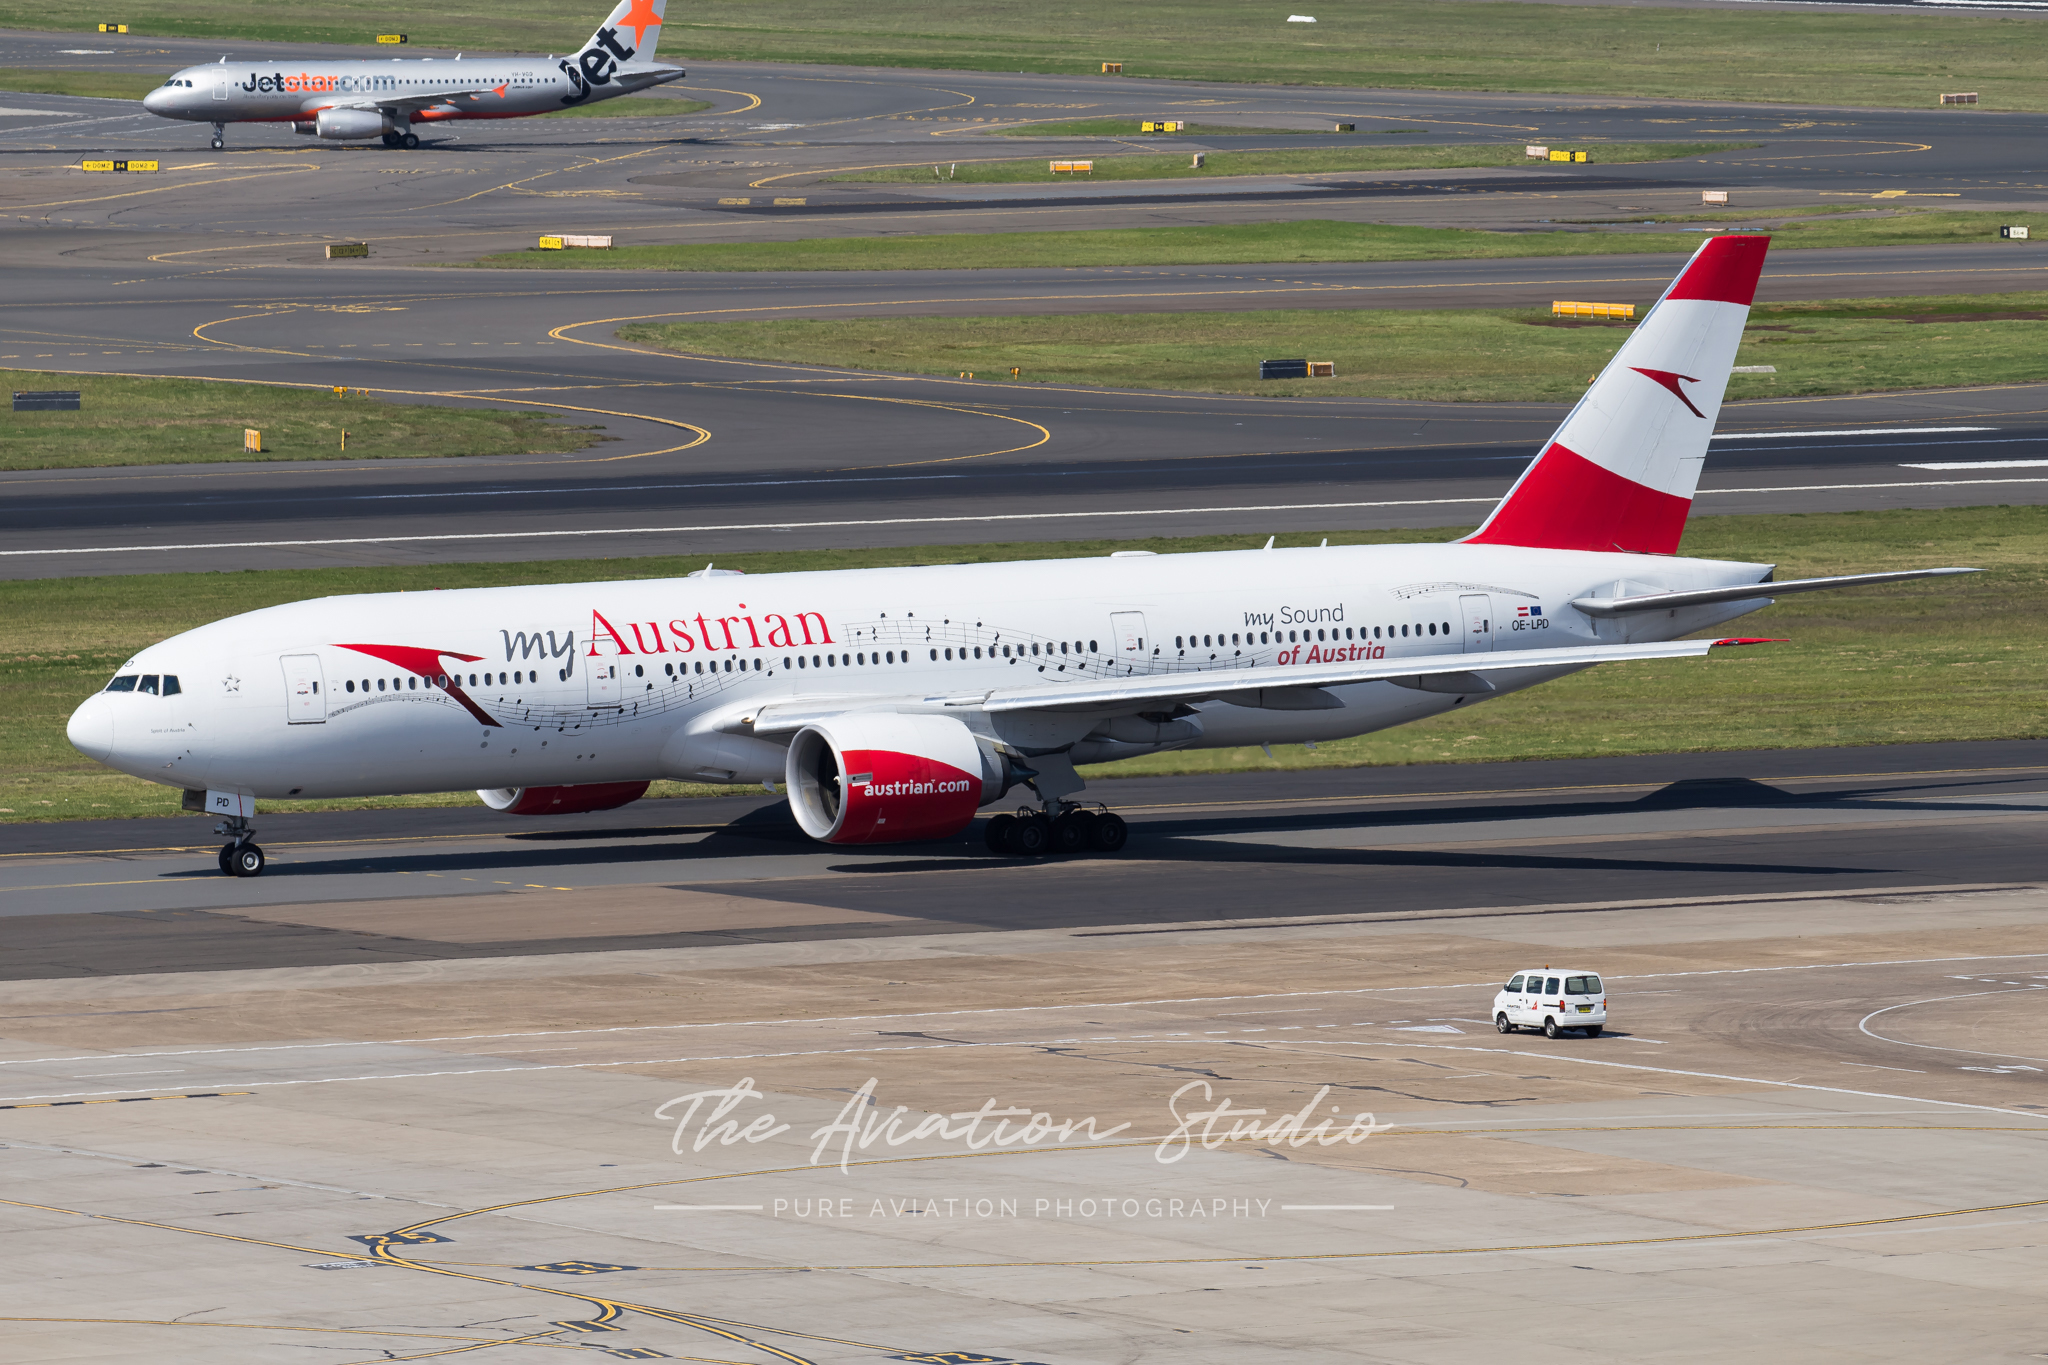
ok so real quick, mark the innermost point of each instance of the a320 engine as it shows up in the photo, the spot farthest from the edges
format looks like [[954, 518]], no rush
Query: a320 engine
[[886, 778]]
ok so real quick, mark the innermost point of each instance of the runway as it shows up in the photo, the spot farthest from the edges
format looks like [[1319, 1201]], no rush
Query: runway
[[212, 268], [1402, 844], [720, 456]]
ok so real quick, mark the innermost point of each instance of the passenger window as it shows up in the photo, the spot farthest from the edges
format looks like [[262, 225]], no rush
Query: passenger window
[[148, 684], [1514, 985], [124, 683], [1550, 986]]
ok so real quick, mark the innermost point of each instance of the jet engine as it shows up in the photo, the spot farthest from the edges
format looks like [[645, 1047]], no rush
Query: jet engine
[[349, 124], [884, 778], [562, 800]]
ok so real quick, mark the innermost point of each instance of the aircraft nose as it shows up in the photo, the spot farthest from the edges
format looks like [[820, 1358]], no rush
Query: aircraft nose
[[91, 728]]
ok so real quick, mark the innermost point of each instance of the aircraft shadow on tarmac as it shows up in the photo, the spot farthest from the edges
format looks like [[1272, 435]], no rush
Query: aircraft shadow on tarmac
[[1191, 841]]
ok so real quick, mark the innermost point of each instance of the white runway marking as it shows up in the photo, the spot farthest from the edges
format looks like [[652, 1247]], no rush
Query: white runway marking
[[1853, 431], [1982, 464]]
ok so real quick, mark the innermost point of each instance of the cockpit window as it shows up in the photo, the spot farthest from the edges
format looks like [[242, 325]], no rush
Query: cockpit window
[[148, 684], [124, 683], [171, 688]]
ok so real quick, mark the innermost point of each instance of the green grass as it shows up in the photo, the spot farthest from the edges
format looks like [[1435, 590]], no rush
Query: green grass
[[187, 421], [1800, 57], [1943, 660], [632, 106], [106, 85], [1289, 243], [1435, 355], [1318, 161]]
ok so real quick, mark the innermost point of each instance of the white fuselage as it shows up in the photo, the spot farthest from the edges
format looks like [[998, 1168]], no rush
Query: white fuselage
[[405, 90], [640, 680]]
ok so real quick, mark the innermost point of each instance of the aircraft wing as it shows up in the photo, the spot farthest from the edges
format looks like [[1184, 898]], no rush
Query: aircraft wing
[[1275, 689], [420, 99]]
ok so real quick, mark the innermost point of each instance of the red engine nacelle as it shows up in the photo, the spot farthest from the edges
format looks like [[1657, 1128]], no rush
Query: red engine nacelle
[[563, 800], [885, 778]]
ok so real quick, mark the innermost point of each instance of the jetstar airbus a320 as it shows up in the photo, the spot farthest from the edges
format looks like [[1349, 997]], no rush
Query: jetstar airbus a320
[[897, 703], [360, 100]]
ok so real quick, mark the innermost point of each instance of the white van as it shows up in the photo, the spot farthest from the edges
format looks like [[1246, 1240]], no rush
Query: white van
[[1553, 1000]]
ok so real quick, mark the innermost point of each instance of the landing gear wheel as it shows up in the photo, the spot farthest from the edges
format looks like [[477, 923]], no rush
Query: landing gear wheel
[[1550, 1028], [219, 143], [1593, 1030], [410, 142], [996, 833], [1500, 1022], [226, 868], [245, 860], [1029, 835], [1070, 832], [389, 139], [1110, 833]]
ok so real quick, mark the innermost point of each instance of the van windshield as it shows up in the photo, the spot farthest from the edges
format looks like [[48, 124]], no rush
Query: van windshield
[[1582, 985]]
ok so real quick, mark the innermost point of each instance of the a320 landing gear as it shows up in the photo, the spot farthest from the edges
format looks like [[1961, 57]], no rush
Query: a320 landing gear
[[409, 141], [240, 857], [1033, 834]]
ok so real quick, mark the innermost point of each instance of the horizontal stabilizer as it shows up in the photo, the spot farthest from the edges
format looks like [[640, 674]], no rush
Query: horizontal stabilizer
[[1666, 601]]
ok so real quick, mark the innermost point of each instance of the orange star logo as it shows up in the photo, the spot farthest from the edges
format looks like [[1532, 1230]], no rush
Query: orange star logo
[[640, 18]]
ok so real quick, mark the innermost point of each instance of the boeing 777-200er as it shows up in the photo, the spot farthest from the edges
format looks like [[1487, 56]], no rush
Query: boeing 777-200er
[[896, 703], [360, 100]]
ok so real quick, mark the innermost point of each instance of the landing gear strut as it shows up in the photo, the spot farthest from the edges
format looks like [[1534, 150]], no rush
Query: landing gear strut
[[220, 132], [240, 857], [1065, 828]]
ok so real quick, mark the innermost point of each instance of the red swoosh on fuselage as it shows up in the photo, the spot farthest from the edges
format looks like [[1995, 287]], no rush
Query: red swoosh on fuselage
[[427, 664]]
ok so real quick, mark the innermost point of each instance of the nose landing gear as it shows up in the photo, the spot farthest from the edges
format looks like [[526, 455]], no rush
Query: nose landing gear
[[1068, 829], [240, 857], [219, 136]]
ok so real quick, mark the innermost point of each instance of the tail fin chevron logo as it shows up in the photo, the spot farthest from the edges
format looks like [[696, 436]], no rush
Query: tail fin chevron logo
[[1671, 381]]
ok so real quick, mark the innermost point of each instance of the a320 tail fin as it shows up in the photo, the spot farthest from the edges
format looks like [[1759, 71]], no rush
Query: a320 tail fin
[[630, 33], [1621, 472]]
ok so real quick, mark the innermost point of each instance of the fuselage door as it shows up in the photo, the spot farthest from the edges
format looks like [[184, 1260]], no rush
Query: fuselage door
[[1477, 609], [603, 677], [220, 87], [1128, 638], [305, 689]]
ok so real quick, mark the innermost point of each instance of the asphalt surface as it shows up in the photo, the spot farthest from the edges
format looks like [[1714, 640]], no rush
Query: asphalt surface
[[1416, 842], [213, 267], [718, 456]]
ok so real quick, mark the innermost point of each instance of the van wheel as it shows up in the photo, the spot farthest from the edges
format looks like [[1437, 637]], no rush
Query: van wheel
[[1550, 1028], [1592, 1030], [1500, 1021]]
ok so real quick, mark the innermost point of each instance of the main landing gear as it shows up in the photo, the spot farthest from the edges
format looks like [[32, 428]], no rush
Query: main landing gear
[[409, 141], [1069, 830], [220, 136], [240, 857]]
